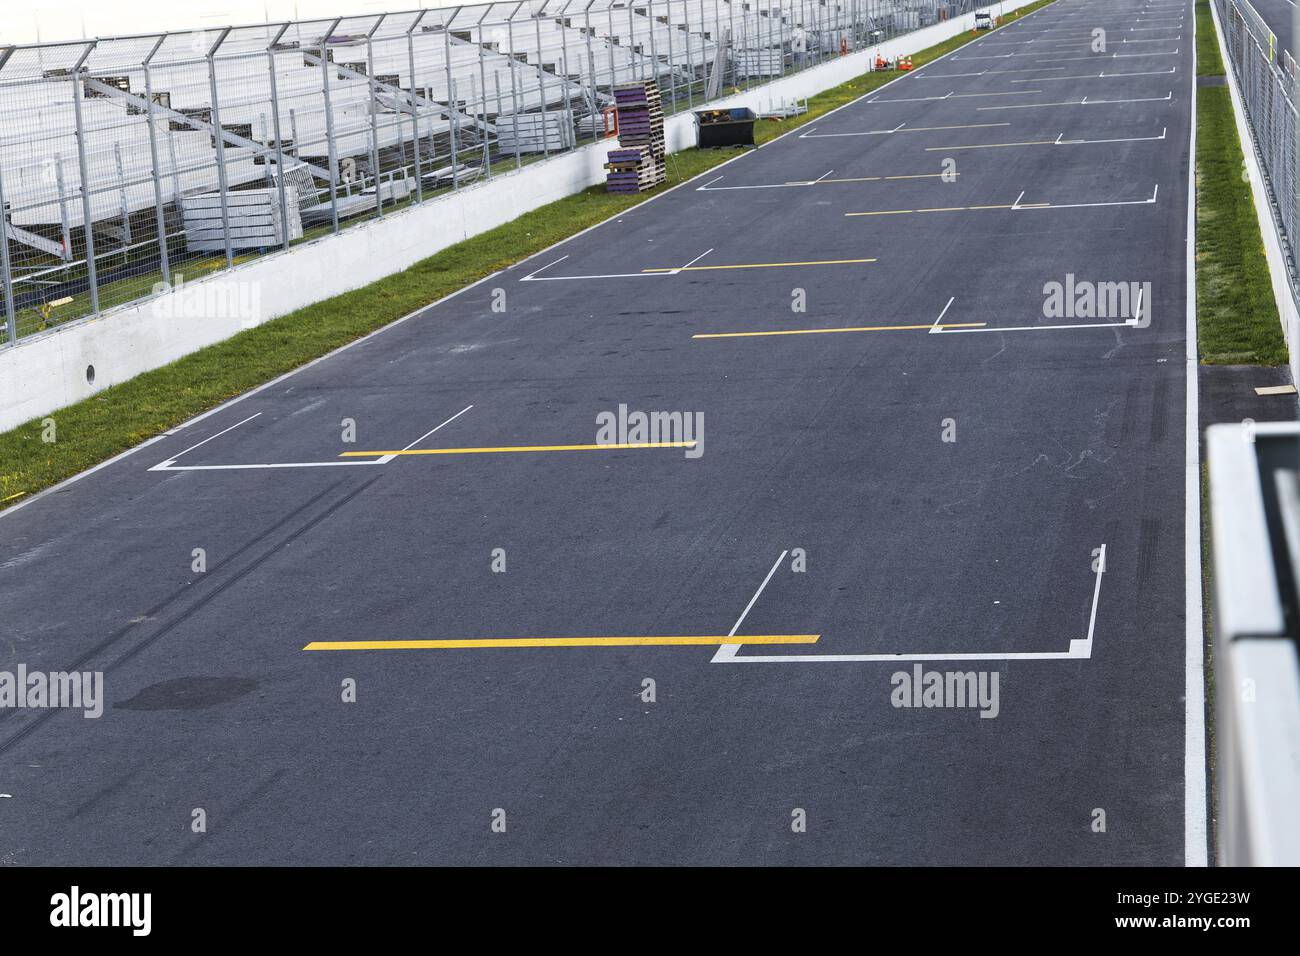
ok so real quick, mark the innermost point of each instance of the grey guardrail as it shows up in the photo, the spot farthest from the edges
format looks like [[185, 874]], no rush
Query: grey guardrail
[[1254, 492]]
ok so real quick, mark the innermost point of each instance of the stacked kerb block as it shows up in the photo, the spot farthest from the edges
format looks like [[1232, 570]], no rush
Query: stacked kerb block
[[638, 164]]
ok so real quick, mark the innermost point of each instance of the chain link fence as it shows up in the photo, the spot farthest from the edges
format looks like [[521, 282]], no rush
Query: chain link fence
[[1267, 79], [130, 164]]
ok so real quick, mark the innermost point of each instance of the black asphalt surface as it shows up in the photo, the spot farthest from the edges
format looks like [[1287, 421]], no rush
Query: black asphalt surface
[[1066, 439]]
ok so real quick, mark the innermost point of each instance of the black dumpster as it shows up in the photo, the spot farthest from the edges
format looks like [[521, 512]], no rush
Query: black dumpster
[[733, 127]]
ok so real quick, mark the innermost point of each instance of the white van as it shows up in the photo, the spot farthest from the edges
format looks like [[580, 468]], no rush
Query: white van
[[983, 20]]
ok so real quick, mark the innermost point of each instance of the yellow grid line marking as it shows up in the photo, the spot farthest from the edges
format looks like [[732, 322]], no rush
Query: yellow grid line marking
[[861, 328], [613, 446], [513, 642]]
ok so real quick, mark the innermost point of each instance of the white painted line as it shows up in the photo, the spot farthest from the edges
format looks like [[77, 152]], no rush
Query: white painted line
[[726, 652], [899, 128], [1059, 141], [1083, 102], [435, 428], [949, 76], [691, 263], [956, 96], [710, 188], [1099, 76], [611, 275], [935, 327], [1113, 56], [1038, 328], [548, 265], [1089, 205], [1195, 830], [899, 658], [167, 466], [161, 466], [171, 466], [1096, 597], [1080, 649]]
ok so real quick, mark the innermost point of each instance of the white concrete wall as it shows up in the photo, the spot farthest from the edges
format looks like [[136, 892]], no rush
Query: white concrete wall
[[1277, 267], [45, 372]]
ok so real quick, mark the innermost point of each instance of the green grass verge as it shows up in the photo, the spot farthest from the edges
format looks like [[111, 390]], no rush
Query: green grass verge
[[125, 415], [1236, 314], [1208, 61]]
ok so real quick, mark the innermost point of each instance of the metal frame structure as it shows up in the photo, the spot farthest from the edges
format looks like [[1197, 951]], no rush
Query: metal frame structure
[[345, 112]]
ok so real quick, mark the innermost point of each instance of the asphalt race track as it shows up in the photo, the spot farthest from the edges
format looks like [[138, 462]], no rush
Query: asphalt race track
[[926, 220]]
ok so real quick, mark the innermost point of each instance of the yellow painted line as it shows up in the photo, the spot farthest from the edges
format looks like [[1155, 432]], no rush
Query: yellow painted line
[[505, 642], [861, 328], [763, 265], [12, 497], [509, 448]]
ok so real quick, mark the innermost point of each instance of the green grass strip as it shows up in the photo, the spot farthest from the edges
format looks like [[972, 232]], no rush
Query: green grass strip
[[120, 417], [1208, 61], [1236, 314]]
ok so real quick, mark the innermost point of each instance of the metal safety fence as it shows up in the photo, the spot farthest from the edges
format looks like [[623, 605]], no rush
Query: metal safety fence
[[129, 163], [1267, 79]]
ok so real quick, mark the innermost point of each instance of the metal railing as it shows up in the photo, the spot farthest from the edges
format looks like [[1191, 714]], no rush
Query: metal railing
[[128, 162], [1267, 80]]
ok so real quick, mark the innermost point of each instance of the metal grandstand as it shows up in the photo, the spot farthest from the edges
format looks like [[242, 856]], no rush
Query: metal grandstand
[[126, 160]]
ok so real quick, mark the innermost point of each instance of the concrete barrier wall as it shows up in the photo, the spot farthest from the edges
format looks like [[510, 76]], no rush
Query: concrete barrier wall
[[45, 372]]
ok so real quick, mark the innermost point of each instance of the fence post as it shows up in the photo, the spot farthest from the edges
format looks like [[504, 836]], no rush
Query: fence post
[[330, 144], [78, 91], [452, 107], [690, 64], [483, 88], [374, 114], [222, 184], [6, 273], [278, 133], [514, 96], [591, 69], [564, 78], [164, 257], [541, 80], [609, 48], [654, 53], [415, 108]]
